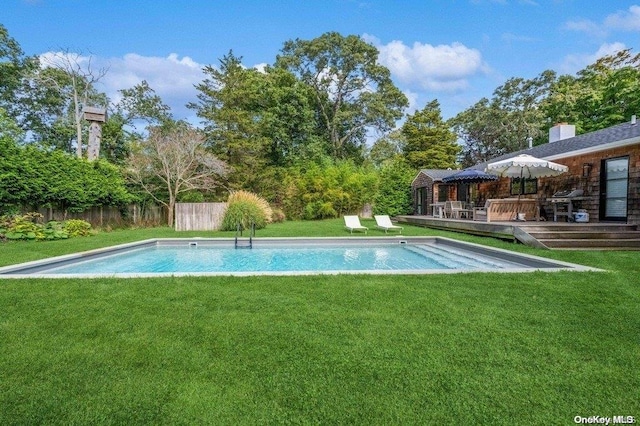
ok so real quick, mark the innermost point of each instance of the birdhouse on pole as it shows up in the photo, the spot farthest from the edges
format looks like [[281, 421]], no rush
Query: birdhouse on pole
[[95, 117]]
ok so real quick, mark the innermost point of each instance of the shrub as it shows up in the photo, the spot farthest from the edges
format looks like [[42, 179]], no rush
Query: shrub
[[25, 227], [192, 197], [278, 216], [54, 230], [252, 198], [251, 209], [319, 210], [394, 192], [244, 213], [29, 227], [77, 227], [319, 191]]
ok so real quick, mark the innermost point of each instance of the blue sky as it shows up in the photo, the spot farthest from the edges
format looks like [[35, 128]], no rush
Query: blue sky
[[456, 51]]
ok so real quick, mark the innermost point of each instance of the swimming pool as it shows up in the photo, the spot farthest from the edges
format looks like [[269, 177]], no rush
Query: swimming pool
[[285, 256]]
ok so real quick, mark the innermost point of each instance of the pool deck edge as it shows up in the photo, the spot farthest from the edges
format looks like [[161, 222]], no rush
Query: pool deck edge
[[539, 263]]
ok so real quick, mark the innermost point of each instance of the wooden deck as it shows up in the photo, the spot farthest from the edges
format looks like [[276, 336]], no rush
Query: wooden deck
[[541, 234]]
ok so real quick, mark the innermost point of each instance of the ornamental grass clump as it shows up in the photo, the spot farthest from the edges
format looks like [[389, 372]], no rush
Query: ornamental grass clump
[[246, 208]]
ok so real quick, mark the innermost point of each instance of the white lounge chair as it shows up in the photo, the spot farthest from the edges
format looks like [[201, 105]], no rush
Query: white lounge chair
[[352, 223], [384, 222]]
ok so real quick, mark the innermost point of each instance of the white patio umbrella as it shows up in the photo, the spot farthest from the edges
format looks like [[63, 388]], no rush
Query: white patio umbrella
[[527, 167]]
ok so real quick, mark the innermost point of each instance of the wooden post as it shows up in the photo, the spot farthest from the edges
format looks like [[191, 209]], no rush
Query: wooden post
[[96, 116]]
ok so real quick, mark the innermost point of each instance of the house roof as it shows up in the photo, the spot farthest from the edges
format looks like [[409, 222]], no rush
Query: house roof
[[600, 140], [611, 137], [436, 175]]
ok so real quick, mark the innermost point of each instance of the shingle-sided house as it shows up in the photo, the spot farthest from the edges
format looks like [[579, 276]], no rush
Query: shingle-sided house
[[604, 165], [427, 188]]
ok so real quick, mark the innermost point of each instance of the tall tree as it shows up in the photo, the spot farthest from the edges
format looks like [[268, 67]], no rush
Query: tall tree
[[226, 104], [256, 120], [77, 86], [141, 103], [174, 160], [394, 190], [428, 141], [482, 135], [138, 105], [601, 95], [353, 92], [387, 148], [14, 68], [505, 123], [519, 100]]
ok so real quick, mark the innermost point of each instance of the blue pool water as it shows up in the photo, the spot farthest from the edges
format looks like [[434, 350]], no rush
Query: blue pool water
[[216, 259]]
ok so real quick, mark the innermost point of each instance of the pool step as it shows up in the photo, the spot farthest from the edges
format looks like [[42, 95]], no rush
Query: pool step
[[593, 236], [244, 242]]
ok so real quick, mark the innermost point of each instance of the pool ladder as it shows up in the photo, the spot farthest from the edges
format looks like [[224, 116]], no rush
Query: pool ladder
[[244, 243]]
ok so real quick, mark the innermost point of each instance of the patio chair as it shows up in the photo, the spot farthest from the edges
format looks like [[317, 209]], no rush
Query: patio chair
[[352, 223], [384, 222], [452, 209], [480, 213]]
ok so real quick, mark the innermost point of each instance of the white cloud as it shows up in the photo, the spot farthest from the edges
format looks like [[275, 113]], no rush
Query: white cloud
[[574, 63], [624, 20], [261, 67], [586, 26], [628, 20], [437, 68], [412, 97], [172, 78]]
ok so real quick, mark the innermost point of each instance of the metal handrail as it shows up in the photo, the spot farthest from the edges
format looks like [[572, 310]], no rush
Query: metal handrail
[[239, 229]]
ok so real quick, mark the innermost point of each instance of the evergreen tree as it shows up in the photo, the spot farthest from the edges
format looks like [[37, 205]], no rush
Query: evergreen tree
[[428, 141]]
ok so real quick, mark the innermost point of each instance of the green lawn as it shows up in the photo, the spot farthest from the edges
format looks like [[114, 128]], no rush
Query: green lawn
[[482, 348]]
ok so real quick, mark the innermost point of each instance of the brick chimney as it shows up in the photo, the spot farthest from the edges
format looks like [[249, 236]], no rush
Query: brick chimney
[[561, 131]]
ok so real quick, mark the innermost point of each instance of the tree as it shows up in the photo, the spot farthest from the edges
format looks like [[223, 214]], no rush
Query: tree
[[386, 148], [32, 176], [353, 93], [603, 94], [482, 139], [519, 101], [394, 191], [505, 123], [142, 103], [256, 121], [76, 87], [227, 99], [428, 141], [14, 66], [318, 191], [139, 104], [174, 160], [9, 129]]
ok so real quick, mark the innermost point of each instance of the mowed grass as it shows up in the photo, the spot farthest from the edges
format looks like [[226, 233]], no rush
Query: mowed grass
[[482, 348]]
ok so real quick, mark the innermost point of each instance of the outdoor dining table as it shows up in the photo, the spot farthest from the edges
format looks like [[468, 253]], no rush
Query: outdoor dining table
[[437, 209], [467, 213]]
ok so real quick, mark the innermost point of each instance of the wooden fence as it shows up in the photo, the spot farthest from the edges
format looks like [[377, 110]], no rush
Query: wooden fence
[[199, 216], [101, 216]]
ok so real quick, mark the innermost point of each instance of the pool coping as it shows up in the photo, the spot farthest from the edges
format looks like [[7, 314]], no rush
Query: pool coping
[[535, 263]]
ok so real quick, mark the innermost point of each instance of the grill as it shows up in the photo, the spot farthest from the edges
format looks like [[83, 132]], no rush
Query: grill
[[563, 203]]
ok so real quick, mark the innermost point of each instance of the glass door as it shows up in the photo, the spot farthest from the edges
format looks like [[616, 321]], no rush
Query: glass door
[[614, 186], [420, 201]]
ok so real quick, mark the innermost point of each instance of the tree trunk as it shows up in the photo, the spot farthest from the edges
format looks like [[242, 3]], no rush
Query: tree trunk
[[172, 206], [78, 124]]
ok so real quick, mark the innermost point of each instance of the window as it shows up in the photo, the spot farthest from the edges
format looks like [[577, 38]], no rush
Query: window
[[524, 186], [443, 192]]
